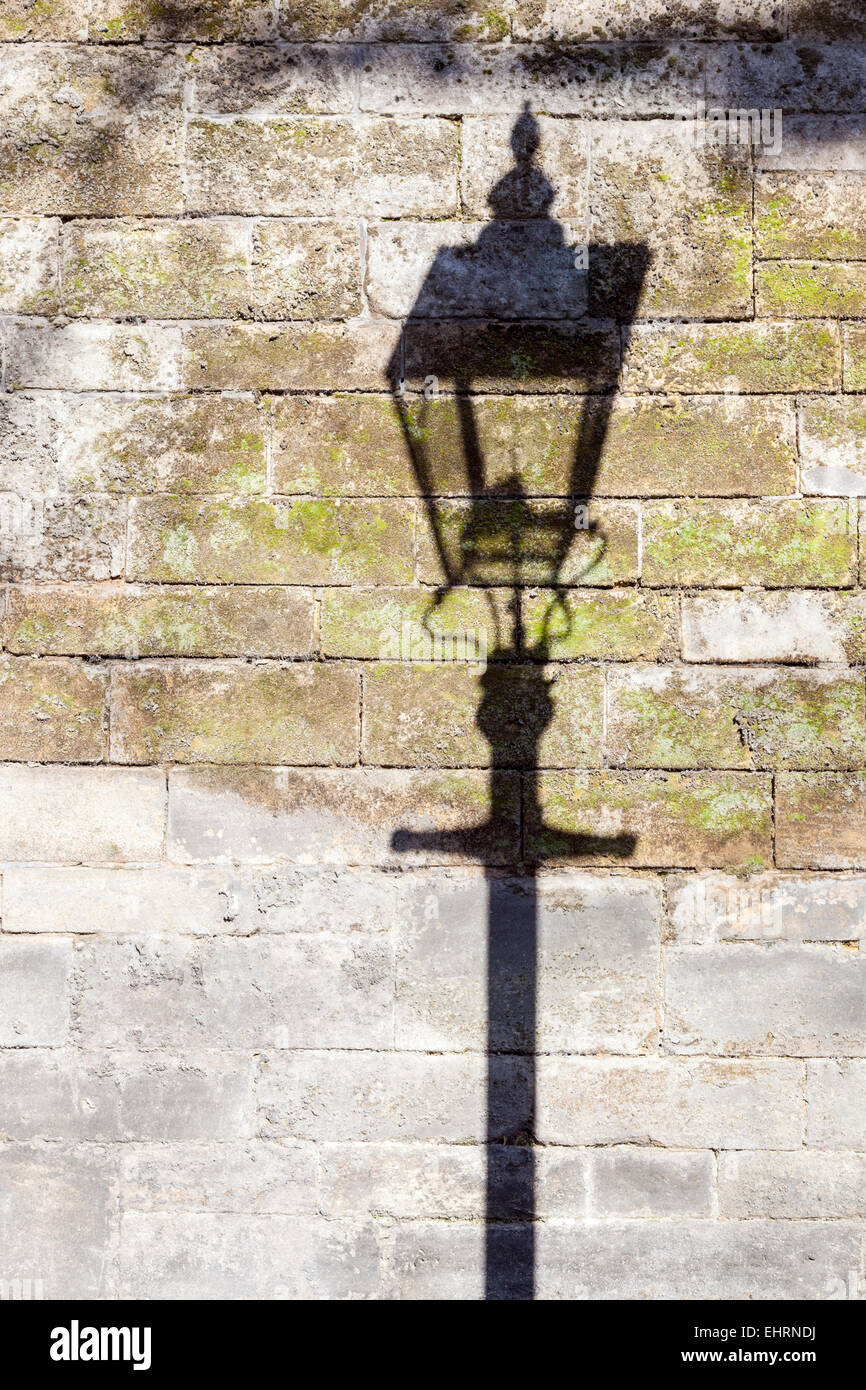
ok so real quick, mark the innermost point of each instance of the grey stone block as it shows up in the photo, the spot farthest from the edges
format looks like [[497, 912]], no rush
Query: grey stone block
[[57, 1218], [34, 992], [792, 1185], [674, 1102], [388, 1096], [296, 991], [272, 1178], [749, 999], [193, 1255], [597, 965], [116, 1097]]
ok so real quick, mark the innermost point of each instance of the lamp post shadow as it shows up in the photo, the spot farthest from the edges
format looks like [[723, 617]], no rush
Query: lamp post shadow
[[505, 538]]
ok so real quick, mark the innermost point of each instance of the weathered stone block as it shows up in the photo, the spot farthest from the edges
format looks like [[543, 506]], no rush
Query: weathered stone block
[[832, 20], [229, 1255], [117, 1097], [832, 433], [52, 710], [791, 626], [286, 991], [305, 270], [695, 1259], [63, 19], [821, 820], [341, 445], [428, 715], [797, 78], [478, 542], [322, 166], [35, 993], [29, 273], [598, 942], [91, 131], [448, 270], [178, 270], [504, 357], [273, 1179], [675, 1102], [854, 356], [158, 899], [274, 357], [607, 624], [78, 537], [627, 446], [650, 19], [746, 999], [69, 444], [155, 620], [705, 446], [56, 1223], [269, 79], [685, 215], [358, 902], [81, 814], [806, 289], [296, 541], [666, 1259], [209, 712], [388, 1096], [771, 543], [820, 216], [835, 1109], [762, 718], [736, 357], [665, 820], [816, 144], [93, 356], [403, 623], [396, 818], [383, 20], [709, 908], [449, 1181], [554, 183], [633, 1182], [792, 1186], [115, 21]]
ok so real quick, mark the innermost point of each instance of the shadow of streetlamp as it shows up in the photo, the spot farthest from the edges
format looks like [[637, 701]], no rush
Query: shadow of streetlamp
[[503, 537]]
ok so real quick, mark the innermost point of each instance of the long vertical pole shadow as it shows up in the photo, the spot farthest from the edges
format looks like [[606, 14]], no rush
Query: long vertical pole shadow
[[507, 539]]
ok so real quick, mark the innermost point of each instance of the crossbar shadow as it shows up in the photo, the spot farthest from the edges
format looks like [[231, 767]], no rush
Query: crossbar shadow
[[505, 537]]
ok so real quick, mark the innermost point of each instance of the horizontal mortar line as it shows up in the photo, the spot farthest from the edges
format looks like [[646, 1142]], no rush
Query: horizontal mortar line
[[252, 396], [478, 45], [410, 322], [261, 1050]]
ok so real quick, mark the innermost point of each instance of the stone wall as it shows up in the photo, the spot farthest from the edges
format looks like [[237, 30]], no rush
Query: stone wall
[[249, 1023]]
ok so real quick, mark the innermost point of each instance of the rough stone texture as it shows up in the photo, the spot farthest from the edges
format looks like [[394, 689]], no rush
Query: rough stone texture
[[415, 716], [432, 648], [706, 909], [671, 820], [780, 544], [747, 357], [357, 816], [758, 718], [52, 711], [820, 820], [135, 620], [268, 713], [596, 983], [293, 542], [793, 626]]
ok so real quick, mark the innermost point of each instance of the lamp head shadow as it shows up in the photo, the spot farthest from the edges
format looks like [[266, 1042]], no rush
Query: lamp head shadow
[[499, 325]]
